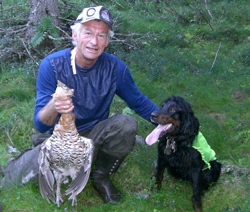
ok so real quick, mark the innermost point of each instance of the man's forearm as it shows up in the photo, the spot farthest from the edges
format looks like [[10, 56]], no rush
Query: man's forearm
[[48, 114]]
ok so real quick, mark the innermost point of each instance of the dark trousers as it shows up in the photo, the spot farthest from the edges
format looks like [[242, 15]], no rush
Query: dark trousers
[[115, 135]]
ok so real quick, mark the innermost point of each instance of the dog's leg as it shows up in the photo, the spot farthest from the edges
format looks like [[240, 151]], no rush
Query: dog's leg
[[159, 173], [196, 183]]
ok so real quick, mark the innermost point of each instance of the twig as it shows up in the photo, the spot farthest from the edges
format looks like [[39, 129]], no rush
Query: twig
[[62, 31], [29, 53], [215, 57], [131, 34], [119, 4], [142, 35], [149, 9], [122, 41], [94, 1], [175, 11], [8, 135], [61, 38], [35, 9], [208, 9], [15, 29], [119, 40], [203, 15], [189, 5], [66, 46]]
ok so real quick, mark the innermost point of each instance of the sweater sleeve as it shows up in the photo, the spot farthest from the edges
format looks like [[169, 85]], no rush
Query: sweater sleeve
[[45, 87], [129, 92]]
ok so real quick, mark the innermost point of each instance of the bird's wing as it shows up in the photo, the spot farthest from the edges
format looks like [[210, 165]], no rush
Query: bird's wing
[[46, 178], [79, 183]]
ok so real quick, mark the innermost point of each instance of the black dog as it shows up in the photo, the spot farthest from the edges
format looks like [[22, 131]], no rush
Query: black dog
[[179, 136]]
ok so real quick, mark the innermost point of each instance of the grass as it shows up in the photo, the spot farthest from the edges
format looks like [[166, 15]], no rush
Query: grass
[[177, 59]]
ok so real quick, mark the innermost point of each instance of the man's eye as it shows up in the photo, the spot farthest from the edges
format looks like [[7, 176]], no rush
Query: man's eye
[[102, 36]]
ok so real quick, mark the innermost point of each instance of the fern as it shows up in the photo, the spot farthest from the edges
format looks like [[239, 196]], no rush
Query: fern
[[37, 39], [45, 25]]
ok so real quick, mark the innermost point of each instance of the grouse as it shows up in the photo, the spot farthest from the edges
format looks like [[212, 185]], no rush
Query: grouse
[[65, 153]]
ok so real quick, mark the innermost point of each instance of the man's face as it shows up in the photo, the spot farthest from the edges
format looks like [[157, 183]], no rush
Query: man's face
[[91, 42]]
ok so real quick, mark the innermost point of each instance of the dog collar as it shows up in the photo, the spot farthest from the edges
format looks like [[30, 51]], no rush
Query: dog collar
[[170, 146]]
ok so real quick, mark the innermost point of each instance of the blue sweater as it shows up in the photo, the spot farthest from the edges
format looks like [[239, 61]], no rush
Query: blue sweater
[[94, 89]]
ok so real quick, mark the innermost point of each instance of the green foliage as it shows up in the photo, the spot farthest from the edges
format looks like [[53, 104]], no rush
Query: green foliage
[[7, 44], [17, 98], [245, 57], [127, 111], [42, 29], [3, 157]]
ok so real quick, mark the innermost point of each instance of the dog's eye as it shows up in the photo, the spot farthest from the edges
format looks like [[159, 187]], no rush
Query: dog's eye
[[162, 106], [172, 110]]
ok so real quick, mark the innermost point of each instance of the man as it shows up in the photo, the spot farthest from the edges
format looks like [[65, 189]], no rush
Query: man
[[95, 76]]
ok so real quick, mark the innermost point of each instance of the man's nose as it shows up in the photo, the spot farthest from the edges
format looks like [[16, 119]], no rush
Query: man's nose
[[94, 40]]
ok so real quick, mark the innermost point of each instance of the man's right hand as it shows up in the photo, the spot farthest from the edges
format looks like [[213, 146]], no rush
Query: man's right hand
[[63, 104], [49, 113]]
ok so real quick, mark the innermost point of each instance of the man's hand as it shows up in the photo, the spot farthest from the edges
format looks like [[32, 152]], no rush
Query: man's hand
[[55, 106], [63, 104]]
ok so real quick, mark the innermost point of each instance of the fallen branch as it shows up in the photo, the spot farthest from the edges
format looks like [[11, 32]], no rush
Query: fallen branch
[[29, 53], [215, 57]]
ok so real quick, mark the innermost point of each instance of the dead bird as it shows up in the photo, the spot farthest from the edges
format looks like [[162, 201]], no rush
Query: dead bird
[[64, 154]]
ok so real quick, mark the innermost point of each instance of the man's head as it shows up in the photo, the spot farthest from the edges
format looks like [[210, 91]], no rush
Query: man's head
[[91, 34], [93, 13]]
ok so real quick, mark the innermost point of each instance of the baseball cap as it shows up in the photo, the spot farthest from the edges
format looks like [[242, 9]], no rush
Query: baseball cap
[[92, 13]]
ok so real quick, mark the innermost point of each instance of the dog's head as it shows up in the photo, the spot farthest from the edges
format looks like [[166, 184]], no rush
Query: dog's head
[[175, 117]]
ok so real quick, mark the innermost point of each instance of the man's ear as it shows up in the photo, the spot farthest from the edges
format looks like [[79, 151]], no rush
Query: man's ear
[[74, 35], [107, 43]]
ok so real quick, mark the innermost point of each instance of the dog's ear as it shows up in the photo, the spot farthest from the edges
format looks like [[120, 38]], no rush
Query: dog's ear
[[191, 125], [190, 122]]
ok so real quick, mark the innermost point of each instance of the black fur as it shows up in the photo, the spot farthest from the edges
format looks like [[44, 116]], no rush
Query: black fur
[[181, 160]]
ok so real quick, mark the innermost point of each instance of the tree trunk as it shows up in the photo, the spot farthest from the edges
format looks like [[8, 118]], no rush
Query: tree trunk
[[39, 9]]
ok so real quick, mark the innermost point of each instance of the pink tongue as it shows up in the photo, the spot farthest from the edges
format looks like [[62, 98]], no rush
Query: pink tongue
[[154, 135]]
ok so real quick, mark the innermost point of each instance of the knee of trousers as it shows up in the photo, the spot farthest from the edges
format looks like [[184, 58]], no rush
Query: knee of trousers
[[120, 135], [126, 126], [127, 123]]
